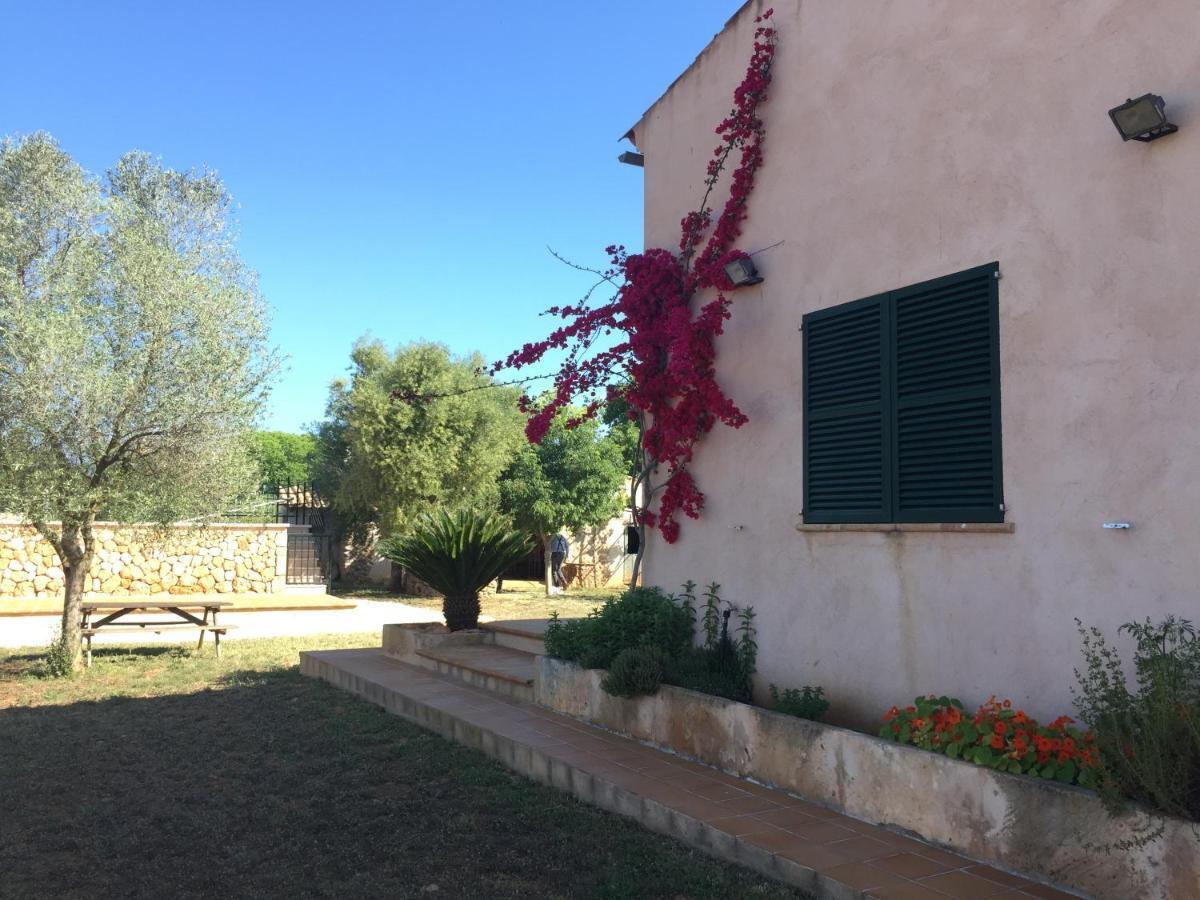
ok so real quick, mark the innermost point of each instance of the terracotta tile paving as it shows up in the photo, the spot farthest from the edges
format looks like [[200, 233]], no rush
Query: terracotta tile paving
[[777, 833]]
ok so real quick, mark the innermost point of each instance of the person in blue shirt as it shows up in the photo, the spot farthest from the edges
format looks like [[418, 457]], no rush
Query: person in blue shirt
[[558, 552]]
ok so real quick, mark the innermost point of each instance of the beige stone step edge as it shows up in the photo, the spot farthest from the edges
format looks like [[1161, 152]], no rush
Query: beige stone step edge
[[476, 667], [538, 766], [484, 679]]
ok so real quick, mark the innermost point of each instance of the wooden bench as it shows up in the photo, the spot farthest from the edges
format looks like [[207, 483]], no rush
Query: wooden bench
[[183, 612]]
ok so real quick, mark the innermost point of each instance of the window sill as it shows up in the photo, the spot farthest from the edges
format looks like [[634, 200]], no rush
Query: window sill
[[914, 527]]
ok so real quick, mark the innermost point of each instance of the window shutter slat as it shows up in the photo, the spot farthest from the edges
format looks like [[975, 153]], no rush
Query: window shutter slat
[[847, 411], [946, 412]]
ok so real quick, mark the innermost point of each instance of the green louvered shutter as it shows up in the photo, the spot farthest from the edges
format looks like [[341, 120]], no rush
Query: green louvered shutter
[[946, 405], [847, 413]]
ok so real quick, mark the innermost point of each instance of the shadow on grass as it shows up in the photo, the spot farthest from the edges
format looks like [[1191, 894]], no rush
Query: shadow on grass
[[274, 785]]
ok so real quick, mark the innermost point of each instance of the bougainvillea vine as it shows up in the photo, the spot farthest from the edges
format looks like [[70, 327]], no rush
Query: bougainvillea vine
[[662, 358]]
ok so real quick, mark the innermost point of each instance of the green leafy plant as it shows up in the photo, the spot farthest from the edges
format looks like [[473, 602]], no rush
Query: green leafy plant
[[707, 672], [639, 617], [997, 736], [723, 667], [646, 617], [712, 615], [58, 659], [635, 671], [747, 646], [687, 598], [1148, 737], [805, 703], [458, 554]]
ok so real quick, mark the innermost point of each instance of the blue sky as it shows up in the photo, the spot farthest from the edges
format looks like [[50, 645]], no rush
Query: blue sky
[[400, 171]]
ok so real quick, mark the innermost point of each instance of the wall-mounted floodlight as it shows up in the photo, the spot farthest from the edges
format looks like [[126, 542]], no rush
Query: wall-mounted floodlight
[[741, 271], [632, 159], [1143, 119]]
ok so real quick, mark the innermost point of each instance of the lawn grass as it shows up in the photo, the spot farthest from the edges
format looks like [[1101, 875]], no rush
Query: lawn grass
[[167, 773], [518, 600]]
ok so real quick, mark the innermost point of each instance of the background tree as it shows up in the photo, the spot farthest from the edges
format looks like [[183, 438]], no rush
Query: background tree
[[624, 431], [132, 349], [284, 458], [574, 478], [414, 430]]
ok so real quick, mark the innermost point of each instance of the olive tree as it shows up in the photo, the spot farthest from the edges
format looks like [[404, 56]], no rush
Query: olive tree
[[414, 430], [133, 353]]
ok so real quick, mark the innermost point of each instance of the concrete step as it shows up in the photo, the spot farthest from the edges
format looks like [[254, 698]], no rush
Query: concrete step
[[519, 634], [501, 670]]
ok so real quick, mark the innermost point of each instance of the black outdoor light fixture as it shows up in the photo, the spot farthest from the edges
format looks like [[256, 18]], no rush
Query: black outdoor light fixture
[[1143, 119], [632, 159], [741, 272]]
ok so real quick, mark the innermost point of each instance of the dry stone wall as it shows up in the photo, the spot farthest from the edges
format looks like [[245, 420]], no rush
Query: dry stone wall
[[137, 561]]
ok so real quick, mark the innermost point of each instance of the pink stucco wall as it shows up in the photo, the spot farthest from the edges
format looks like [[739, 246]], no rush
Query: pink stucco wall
[[909, 139]]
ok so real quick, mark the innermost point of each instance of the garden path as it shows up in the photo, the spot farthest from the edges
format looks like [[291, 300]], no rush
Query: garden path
[[767, 830]]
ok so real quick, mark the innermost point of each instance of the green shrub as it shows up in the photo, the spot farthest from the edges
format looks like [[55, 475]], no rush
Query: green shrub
[[806, 703], [709, 671], [1148, 737], [723, 666], [58, 658], [635, 671], [640, 617], [646, 617], [458, 554]]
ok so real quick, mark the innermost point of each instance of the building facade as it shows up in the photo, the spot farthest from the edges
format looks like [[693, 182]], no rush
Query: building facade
[[1021, 367]]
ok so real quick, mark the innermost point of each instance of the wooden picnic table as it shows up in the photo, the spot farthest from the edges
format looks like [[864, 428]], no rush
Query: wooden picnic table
[[200, 614]]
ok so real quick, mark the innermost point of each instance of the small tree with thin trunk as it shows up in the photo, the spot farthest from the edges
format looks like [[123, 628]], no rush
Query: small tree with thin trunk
[[572, 479], [133, 352]]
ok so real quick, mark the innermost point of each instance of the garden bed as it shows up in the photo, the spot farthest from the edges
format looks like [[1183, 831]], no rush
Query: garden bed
[[1029, 825]]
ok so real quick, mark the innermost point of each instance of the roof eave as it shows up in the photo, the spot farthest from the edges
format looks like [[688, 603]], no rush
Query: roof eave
[[631, 134]]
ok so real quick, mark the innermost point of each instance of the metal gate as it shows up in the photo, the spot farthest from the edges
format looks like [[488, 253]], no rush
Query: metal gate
[[308, 558]]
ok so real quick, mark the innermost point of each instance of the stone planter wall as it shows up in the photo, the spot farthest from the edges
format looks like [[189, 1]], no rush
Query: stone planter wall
[[404, 640], [1037, 828], [142, 560]]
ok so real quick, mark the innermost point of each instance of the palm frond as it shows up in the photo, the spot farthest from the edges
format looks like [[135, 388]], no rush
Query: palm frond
[[458, 553]]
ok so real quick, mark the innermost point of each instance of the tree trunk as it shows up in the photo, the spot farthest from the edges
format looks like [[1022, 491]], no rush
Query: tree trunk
[[76, 558], [461, 613], [640, 485], [546, 558]]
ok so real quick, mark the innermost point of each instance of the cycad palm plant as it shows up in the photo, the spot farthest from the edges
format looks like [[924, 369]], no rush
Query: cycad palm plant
[[458, 554]]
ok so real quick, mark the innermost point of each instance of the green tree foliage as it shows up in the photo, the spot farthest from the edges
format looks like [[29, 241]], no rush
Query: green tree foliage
[[133, 353], [625, 433], [415, 430], [457, 554], [573, 479], [284, 458]]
